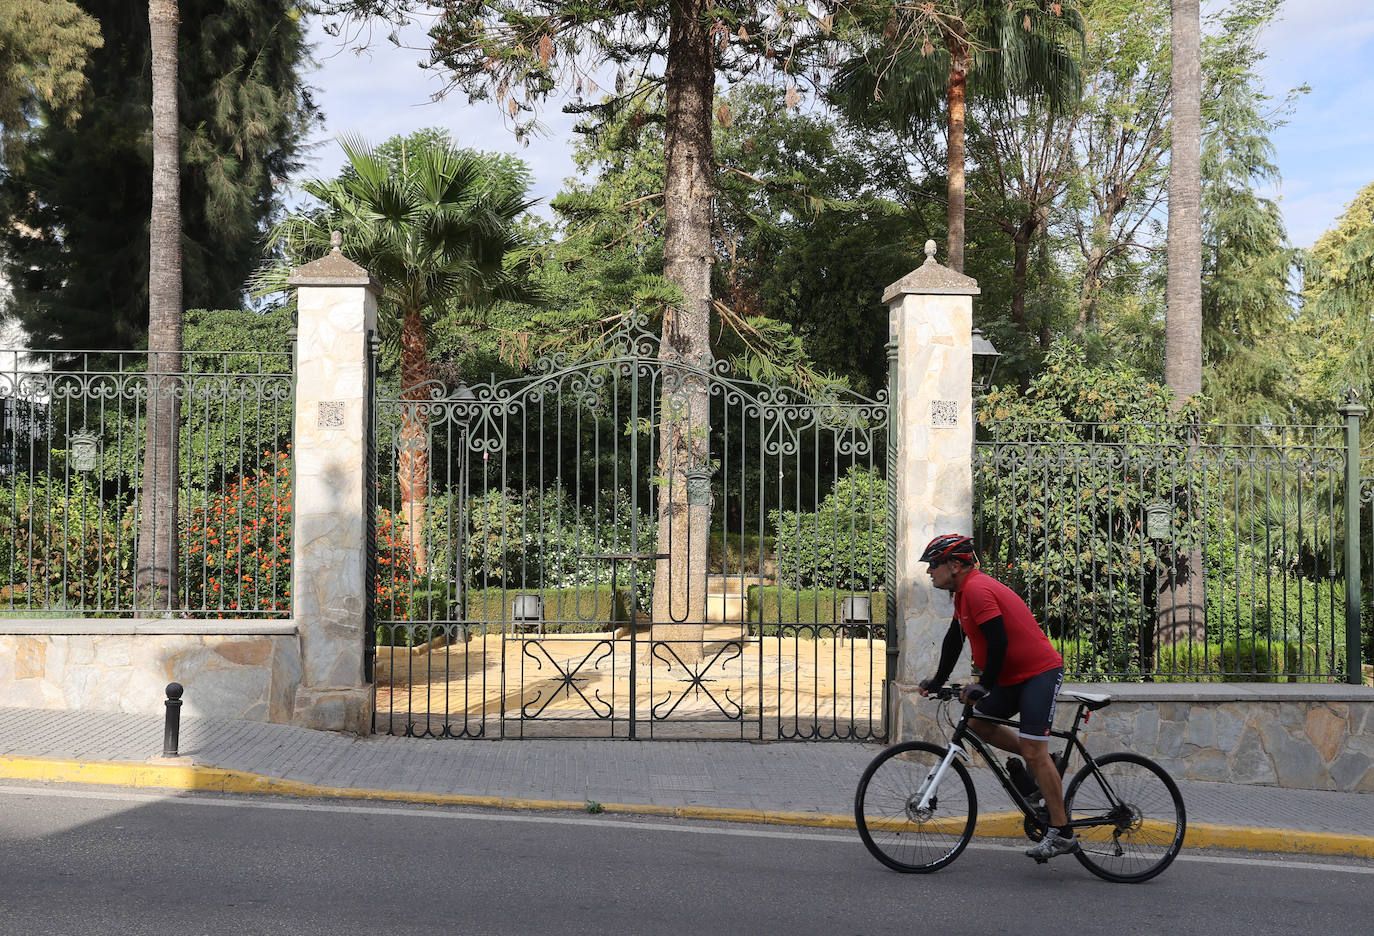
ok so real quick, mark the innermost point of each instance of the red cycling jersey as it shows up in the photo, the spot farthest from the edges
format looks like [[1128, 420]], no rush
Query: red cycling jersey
[[1029, 652]]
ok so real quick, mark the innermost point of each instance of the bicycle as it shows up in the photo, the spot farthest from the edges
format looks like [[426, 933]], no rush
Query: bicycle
[[916, 806]]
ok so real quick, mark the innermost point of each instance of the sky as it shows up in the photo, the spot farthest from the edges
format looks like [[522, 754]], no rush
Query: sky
[[1325, 152]]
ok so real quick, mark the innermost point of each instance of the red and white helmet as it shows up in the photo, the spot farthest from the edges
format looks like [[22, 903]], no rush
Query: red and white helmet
[[949, 546]]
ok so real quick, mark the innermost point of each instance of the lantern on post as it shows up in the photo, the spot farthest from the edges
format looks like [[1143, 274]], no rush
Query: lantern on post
[[985, 358]]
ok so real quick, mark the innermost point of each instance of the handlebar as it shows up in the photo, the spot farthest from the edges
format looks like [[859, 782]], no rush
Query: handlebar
[[951, 692]]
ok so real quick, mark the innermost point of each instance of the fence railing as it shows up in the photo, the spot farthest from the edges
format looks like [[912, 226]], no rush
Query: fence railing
[[1173, 552], [73, 431]]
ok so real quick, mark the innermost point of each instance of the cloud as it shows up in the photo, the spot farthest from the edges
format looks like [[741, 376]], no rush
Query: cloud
[[382, 91], [1324, 150]]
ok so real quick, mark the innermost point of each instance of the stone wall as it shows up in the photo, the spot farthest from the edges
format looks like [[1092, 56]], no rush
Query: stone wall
[[230, 669], [1305, 737]]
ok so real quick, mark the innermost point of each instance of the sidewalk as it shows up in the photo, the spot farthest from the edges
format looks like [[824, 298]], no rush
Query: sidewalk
[[793, 783]]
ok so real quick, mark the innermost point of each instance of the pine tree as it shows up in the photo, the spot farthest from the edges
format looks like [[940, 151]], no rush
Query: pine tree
[[44, 45]]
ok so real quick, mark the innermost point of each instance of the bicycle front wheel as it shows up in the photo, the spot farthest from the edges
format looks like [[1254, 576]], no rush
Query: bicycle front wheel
[[895, 827], [1136, 813]]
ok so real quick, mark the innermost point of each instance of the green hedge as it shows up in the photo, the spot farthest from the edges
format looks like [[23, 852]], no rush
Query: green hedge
[[1241, 660], [770, 605], [584, 610], [580, 610]]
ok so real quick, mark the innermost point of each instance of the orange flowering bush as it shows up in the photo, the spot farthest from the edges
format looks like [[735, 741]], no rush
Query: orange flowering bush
[[236, 549]]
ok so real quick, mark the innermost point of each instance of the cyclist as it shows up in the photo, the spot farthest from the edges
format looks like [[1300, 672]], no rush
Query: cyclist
[[1021, 671]]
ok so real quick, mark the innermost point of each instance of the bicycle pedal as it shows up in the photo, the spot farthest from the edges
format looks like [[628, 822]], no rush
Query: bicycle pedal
[[1042, 861]]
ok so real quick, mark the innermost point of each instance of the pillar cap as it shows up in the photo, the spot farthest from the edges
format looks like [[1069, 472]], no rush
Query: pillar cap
[[333, 269], [932, 279]]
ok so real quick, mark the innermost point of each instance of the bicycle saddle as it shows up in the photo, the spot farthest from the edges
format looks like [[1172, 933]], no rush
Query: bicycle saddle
[[1093, 700]]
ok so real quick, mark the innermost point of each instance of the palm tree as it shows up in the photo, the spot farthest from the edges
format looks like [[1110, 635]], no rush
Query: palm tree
[[155, 574], [435, 235], [1182, 591], [1183, 292], [985, 49]]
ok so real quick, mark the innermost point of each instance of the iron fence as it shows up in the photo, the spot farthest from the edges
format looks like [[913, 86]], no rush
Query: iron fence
[[1173, 552], [73, 431], [521, 542]]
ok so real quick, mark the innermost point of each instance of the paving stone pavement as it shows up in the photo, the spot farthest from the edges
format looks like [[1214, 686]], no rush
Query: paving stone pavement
[[782, 776]]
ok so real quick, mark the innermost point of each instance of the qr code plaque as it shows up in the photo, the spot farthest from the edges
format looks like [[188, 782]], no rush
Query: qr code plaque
[[944, 413], [331, 414]]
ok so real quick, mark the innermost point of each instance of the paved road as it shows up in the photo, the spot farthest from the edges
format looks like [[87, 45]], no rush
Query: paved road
[[78, 860]]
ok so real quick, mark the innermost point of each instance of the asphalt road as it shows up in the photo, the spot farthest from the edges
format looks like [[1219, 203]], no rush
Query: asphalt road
[[100, 861]]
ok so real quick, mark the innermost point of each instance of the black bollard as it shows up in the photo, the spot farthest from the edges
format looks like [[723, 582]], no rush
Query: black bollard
[[172, 728]]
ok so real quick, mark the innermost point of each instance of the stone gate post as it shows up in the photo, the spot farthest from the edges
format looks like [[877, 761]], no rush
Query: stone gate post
[[337, 302], [930, 314]]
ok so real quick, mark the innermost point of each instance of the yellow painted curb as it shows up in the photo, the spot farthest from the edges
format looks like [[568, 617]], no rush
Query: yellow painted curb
[[193, 777]]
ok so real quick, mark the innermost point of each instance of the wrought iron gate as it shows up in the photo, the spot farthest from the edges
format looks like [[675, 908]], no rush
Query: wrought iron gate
[[630, 544]]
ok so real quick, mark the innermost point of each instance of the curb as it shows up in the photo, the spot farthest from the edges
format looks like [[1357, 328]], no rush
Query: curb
[[170, 775]]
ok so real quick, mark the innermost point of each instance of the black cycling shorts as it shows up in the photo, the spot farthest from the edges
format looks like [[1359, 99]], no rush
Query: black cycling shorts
[[1034, 699]]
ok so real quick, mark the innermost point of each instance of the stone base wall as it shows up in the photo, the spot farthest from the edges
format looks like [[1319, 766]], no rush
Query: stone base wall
[[1306, 737], [230, 669]]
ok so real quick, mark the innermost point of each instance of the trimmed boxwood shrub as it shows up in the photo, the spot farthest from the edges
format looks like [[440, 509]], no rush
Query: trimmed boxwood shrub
[[580, 610], [1241, 660], [768, 606]]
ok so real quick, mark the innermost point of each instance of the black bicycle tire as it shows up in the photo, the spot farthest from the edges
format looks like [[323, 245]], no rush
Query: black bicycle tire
[[872, 843], [1089, 857]]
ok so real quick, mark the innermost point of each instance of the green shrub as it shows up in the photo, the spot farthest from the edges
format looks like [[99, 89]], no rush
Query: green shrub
[[1277, 605], [62, 544], [843, 544], [578, 610], [768, 606], [1230, 661], [541, 539]]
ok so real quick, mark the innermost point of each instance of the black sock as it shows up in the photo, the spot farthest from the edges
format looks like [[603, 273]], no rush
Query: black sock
[[1064, 832]]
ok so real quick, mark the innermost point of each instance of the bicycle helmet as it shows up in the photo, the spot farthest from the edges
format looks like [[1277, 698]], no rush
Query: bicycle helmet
[[949, 546]]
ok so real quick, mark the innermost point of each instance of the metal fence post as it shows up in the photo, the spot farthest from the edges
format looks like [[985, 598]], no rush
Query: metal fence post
[[1352, 411]]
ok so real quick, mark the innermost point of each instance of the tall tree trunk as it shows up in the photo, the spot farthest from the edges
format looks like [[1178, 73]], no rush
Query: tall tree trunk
[[1182, 595], [1020, 264], [958, 86], [1183, 322], [412, 460], [1092, 274], [684, 433], [155, 584]]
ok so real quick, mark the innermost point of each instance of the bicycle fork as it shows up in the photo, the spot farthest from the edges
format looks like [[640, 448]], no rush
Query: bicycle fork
[[925, 795]]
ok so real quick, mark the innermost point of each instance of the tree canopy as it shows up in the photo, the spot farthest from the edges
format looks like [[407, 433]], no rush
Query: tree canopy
[[44, 45], [76, 250]]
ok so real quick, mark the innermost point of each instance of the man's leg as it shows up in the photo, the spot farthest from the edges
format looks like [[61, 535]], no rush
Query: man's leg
[[1041, 764], [999, 736]]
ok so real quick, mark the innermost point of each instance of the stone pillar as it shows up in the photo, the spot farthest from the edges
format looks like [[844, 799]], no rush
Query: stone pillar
[[337, 302], [930, 311]]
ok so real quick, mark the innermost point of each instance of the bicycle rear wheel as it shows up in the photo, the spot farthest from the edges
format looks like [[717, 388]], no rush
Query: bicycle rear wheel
[[1141, 817], [892, 824]]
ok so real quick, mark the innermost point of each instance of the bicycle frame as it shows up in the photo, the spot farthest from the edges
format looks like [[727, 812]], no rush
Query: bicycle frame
[[963, 733]]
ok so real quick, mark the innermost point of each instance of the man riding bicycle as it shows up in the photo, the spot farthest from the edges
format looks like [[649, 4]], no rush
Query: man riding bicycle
[[1021, 671]]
